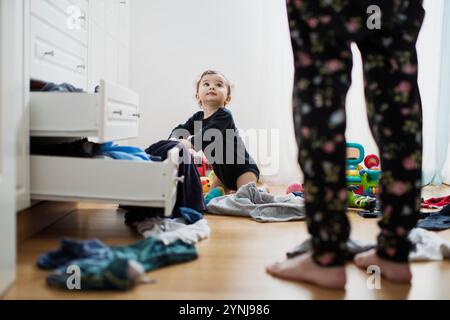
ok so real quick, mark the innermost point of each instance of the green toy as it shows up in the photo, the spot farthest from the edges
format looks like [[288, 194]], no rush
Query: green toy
[[361, 202], [363, 181], [214, 193]]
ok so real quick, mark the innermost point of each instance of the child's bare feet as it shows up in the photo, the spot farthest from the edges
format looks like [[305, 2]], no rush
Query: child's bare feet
[[394, 271], [304, 269]]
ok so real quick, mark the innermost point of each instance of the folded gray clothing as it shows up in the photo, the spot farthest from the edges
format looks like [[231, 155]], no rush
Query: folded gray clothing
[[427, 246], [262, 206]]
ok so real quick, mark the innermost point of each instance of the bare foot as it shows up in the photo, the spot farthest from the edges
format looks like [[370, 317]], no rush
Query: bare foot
[[393, 271], [304, 269]]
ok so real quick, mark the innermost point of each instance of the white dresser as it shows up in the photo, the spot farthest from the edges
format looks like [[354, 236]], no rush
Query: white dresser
[[86, 43]]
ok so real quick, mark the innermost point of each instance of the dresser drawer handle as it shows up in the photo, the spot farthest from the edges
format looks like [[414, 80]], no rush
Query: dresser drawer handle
[[137, 115], [118, 112], [83, 17], [81, 66], [49, 53]]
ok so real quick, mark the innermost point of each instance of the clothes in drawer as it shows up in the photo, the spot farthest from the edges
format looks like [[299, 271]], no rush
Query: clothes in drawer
[[149, 184], [55, 57], [110, 115]]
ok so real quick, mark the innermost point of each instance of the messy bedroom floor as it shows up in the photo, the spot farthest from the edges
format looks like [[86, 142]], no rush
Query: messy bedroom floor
[[230, 264]]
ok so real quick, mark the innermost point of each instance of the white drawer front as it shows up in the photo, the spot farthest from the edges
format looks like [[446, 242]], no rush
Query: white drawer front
[[120, 119], [67, 17], [55, 57], [99, 180], [112, 114], [57, 114]]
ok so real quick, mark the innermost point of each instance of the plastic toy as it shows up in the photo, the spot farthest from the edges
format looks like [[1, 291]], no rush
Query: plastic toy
[[363, 181], [206, 184], [214, 193], [361, 202], [211, 175], [294, 187]]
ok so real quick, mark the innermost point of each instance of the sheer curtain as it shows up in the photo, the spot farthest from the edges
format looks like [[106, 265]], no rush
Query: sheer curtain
[[443, 166], [430, 54], [434, 81]]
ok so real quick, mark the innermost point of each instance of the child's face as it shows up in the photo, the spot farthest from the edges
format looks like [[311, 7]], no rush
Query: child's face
[[213, 91]]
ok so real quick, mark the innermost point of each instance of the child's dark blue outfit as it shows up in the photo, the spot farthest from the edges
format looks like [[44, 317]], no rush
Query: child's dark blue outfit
[[217, 136]]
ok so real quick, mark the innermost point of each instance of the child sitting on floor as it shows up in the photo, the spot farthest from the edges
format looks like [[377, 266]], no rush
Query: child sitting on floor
[[213, 131]]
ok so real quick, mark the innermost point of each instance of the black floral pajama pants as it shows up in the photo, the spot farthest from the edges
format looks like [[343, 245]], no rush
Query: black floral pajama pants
[[321, 33]]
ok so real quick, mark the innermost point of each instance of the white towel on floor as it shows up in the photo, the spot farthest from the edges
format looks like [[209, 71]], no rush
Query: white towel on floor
[[428, 246], [171, 230]]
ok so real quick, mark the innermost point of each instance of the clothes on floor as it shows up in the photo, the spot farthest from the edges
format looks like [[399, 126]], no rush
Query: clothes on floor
[[248, 201], [171, 230], [322, 33], [436, 203], [230, 159], [436, 221], [354, 247], [426, 246], [71, 250], [103, 267]]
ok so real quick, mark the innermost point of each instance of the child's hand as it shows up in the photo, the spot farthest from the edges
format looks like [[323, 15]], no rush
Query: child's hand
[[187, 143]]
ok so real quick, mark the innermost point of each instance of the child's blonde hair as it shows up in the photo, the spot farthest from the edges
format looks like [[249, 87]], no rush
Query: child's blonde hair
[[227, 82]]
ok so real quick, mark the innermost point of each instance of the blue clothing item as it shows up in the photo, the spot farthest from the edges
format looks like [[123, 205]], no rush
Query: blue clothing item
[[298, 194], [190, 215], [109, 270], [63, 87], [71, 250], [437, 221], [123, 152]]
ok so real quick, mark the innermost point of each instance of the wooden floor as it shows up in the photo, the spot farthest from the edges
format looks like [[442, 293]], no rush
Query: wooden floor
[[230, 265]]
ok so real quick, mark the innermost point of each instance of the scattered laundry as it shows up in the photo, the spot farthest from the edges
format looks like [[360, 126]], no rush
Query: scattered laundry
[[353, 248], [171, 230], [436, 203], [118, 267], [249, 201], [437, 220], [427, 246]]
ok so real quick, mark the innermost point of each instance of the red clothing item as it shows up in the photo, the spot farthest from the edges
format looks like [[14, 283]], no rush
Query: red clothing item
[[436, 203]]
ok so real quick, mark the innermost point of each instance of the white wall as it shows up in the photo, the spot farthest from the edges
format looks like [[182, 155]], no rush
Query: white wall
[[172, 43], [429, 56]]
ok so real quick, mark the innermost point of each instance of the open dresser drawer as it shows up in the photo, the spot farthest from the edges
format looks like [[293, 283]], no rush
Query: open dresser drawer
[[149, 184], [112, 114]]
